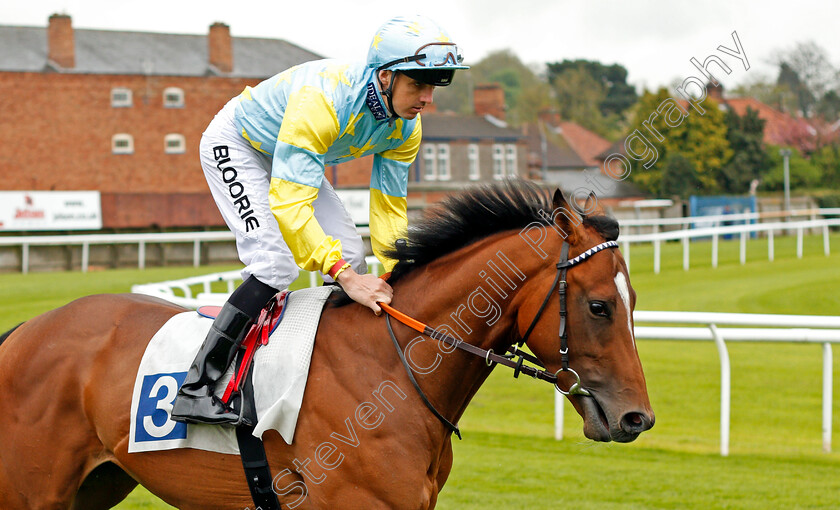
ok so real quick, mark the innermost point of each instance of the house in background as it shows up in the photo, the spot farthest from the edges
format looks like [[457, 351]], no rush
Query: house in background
[[565, 154], [780, 128], [123, 112], [471, 148]]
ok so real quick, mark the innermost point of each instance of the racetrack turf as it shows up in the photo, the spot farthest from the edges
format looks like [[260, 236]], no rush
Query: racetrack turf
[[509, 459]]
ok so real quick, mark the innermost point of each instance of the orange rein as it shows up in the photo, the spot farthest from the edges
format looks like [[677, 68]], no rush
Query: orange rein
[[405, 319]]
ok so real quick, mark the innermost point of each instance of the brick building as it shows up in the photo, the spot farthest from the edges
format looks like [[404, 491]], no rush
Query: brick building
[[122, 113], [470, 148]]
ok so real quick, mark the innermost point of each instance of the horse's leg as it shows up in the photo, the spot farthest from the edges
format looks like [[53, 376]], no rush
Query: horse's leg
[[103, 488]]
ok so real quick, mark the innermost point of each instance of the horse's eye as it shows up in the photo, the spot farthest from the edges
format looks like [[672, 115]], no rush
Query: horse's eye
[[599, 308]]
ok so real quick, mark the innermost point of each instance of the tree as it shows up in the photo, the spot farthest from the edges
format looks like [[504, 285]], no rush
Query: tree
[[679, 177], [618, 94], [671, 127], [827, 160], [525, 92], [811, 64], [789, 80], [828, 106], [749, 161], [578, 97], [803, 172], [807, 71]]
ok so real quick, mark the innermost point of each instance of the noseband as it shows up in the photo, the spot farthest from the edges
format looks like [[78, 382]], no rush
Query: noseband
[[492, 358]]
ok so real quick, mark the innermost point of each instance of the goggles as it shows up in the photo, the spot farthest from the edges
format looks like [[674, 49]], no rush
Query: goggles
[[436, 54]]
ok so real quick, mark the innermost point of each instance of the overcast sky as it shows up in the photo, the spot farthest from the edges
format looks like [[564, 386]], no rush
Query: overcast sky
[[653, 39]]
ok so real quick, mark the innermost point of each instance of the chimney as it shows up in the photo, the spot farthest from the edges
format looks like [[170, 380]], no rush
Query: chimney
[[61, 47], [549, 117], [220, 47], [489, 99], [715, 92]]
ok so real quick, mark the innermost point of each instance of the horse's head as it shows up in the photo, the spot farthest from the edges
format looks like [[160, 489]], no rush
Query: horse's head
[[599, 302]]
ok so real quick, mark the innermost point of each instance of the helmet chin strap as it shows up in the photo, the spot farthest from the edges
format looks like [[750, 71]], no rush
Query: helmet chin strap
[[388, 93]]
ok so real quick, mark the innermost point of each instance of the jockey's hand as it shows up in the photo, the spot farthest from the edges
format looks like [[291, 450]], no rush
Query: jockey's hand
[[365, 289]]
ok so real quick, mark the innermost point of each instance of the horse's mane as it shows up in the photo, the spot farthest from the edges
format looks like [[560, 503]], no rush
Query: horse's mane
[[475, 214]]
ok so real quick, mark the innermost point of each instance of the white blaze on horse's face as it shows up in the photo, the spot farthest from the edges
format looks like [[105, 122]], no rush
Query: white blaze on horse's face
[[624, 292]]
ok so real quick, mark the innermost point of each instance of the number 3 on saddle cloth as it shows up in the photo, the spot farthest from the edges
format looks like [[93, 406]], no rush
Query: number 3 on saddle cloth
[[239, 394]]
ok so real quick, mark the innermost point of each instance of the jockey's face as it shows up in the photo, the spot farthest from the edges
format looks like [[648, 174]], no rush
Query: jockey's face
[[408, 96]]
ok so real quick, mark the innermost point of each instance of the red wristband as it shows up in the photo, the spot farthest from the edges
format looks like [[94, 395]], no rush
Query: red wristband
[[336, 268]]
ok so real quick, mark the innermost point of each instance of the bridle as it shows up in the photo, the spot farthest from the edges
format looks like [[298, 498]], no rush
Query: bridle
[[507, 359]]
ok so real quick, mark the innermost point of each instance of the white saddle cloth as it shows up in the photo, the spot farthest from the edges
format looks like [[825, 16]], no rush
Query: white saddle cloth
[[279, 377]]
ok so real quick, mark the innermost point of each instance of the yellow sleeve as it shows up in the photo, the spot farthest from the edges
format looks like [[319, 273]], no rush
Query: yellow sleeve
[[388, 222], [388, 190], [291, 204]]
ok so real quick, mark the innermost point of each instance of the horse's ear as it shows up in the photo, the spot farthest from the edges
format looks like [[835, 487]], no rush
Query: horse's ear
[[592, 207], [565, 217], [559, 200]]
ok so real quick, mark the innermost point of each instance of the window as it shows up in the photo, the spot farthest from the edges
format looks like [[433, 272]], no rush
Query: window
[[498, 161], [510, 160], [121, 98], [173, 97], [443, 163], [472, 157], [174, 144], [122, 143], [429, 163]]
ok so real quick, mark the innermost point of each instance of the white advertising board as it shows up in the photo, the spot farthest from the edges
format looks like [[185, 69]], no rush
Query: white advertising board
[[50, 210]]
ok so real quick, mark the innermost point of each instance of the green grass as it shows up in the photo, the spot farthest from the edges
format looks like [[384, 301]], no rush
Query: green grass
[[508, 458]]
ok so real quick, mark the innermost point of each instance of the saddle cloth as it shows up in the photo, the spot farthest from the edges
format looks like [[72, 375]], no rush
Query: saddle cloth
[[279, 377]]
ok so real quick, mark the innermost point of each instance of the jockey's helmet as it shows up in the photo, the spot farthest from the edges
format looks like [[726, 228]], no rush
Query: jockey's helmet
[[418, 47]]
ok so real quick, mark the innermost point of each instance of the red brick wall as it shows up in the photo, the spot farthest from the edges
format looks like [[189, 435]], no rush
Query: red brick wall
[[489, 99], [159, 211], [352, 174], [57, 131]]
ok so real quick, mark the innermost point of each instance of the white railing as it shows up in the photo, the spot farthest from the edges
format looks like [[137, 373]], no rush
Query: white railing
[[774, 328], [141, 240], [718, 219], [182, 292], [196, 238], [715, 232]]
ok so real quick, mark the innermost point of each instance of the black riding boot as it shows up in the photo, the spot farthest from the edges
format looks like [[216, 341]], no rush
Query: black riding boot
[[196, 402]]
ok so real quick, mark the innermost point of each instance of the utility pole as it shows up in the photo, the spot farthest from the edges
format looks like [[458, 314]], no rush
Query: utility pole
[[786, 155]]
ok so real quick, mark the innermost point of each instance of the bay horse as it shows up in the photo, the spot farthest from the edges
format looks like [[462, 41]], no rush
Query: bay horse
[[478, 270]]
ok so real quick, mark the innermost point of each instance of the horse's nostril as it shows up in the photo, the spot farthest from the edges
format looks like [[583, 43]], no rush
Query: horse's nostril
[[635, 423]]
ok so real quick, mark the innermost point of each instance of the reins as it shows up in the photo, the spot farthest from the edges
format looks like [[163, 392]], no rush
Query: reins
[[513, 351]]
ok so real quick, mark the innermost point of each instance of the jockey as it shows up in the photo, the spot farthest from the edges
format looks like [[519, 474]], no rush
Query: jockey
[[264, 155]]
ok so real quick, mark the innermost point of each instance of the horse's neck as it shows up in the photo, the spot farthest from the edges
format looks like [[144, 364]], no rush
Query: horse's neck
[[471, 295]]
